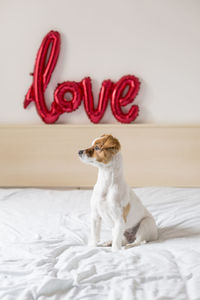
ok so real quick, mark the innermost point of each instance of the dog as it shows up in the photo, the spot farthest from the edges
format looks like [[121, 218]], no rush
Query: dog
[[113, 201]]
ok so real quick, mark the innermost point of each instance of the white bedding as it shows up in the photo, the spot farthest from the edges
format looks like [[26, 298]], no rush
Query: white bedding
[[44, 252]]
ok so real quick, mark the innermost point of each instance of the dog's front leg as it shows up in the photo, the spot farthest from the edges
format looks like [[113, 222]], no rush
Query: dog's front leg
[[117, 233], [95, 230]]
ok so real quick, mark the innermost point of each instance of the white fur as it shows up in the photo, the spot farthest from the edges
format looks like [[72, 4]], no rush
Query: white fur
[[110, 195]]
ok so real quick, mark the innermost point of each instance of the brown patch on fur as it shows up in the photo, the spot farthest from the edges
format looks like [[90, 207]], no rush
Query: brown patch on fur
[[90, 151], [108, 147], [126, 211]]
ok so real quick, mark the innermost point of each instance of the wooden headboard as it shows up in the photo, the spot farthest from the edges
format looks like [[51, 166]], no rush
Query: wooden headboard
[[46, 155]]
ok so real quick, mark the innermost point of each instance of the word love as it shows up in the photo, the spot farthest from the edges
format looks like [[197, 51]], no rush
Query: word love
[[45, 63]]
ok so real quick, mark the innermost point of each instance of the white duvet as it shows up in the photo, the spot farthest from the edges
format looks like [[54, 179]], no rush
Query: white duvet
[[44, 252]]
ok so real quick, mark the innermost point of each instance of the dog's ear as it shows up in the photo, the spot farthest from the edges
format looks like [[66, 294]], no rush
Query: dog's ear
[[104, 135], [112, 143]]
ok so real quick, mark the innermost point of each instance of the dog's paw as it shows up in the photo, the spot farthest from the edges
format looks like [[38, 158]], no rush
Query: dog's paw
[[134, 244], [127, 246], [105, 244]]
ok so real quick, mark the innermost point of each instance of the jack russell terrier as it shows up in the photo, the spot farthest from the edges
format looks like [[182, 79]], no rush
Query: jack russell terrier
[[113, 201]]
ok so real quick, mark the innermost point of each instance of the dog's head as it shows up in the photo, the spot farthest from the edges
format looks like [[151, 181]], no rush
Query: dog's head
[[101, 152]]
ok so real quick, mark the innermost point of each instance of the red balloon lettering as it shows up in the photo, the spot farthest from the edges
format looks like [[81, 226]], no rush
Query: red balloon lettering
[[41, 77], [68, 87], [95, 115], [45, 63], [119, 100]]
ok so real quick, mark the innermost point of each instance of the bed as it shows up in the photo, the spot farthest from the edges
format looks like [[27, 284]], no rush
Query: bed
[[44, 215], [44, 252]]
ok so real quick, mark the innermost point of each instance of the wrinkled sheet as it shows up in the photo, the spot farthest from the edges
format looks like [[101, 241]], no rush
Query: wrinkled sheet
[[44, 252]]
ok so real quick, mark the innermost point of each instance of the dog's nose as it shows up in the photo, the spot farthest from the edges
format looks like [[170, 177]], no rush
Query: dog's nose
[[80, 152]]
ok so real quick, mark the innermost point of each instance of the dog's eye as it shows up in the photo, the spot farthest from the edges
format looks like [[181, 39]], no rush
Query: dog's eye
[[97, 148]]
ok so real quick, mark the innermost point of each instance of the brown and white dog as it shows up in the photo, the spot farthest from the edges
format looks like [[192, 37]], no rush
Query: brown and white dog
[[113, 201]]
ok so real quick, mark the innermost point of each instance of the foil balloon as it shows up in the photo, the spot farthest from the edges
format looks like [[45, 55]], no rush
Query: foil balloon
[[42, 74], [96, 114], [74, 89], [45, 63], [118, 98]]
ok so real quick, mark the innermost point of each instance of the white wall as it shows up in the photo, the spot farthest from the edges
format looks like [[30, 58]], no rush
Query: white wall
[[156, 40]]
